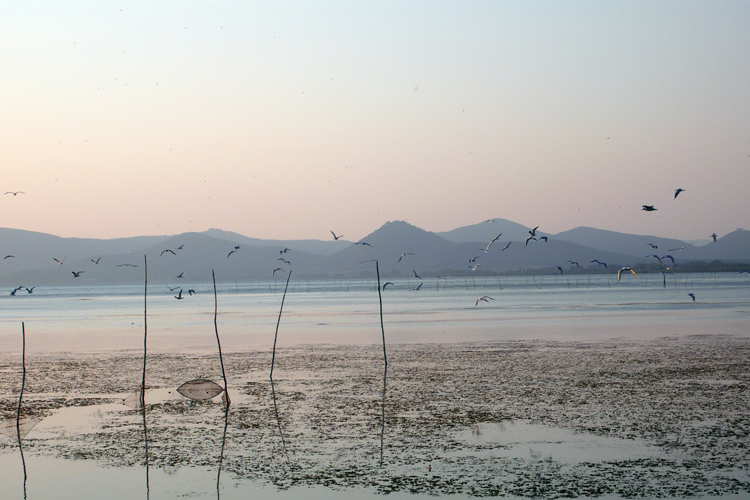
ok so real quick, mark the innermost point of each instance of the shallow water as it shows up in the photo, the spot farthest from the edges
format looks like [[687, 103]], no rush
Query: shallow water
[[606, 390]]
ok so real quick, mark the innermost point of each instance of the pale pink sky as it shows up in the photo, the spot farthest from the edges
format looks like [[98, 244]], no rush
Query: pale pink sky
[[290, 119]]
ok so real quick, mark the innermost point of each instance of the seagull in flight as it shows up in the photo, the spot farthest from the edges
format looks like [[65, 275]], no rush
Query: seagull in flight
[[126, 265], [493, 241], [180, 247], [403, 255], [230, 253], [77, 274], [180, 275], [363, 243], [652, 245], [9, 257], [692, 296], [336, 237], [386, 284], [277, 269], [649, 208], [681, 248], [416, 275], [543, 238], [560, 269], [473, 261], [14, 193], [285, 250], [288, 263], [474, 268], [96, 261], [600, 263], [418, 287], [59, 261], [490, 220], [714, 237], [529, 238], [172, 289], [30, 290], [656, 257], [669, 257], [485, 298], [533, 231], [744, 271], [506, 246], [167, 250], [624, 270], [191, 292], [573, 262], [678, 191], [14, 291], [179, 295]]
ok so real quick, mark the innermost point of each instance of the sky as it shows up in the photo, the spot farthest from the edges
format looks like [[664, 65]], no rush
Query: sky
[[290, 119]]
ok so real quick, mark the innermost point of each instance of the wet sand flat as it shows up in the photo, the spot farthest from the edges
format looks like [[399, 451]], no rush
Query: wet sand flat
[[668, 417]]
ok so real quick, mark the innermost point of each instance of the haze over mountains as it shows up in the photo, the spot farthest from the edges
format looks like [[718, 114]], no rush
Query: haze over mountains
[[400, 248]]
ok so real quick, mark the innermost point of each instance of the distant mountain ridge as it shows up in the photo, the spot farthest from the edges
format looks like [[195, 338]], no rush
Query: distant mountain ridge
[[400, 248]]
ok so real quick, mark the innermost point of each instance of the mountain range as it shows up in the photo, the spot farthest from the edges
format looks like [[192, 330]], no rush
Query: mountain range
[[400, 248]]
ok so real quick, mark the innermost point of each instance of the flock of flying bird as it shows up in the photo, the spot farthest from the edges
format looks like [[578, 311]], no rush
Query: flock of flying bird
[[532, 236]]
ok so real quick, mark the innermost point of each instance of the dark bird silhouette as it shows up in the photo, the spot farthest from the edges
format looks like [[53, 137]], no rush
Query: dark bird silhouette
[[692, 296], [485, 298], [543, 238], [363, 243], [126, 265], [96, 261], [30, 290], [678, 191], [624, 270], [714, 237], [285, 250], [9, 257], [167, 250], [506, 246], [652, 245], [77, 274], [600, 263], [418, 287], [669, 257], [191, 292], [277, 269], [180, 275], [386, 284], [649, 208], [59, 261], [655, 256], [572, 262], [559, 268], [288, 263], [14, 291], [230, 253], [744, 271], [472, 261], [336, 237], [403, 255], [172, 289], [14, 193], [529, 239], [179, 295], [180, 247], [533, 231], [415, 274]]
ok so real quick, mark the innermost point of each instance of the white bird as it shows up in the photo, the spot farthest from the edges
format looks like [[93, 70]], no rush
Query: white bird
[[59, 261], [475, 267], [625, 269], [485, 298], [491, 242]]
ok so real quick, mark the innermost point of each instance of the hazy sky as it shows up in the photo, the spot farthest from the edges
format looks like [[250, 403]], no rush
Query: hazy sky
[[290, 119]]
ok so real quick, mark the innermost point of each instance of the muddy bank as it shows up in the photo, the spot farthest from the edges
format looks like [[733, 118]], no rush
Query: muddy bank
[[669, 417]]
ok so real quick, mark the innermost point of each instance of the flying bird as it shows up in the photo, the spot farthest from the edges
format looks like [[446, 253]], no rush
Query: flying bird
[[681, 248], [528, 239], [336, 237], [714, 237], [288, 263], [180, 247], [128, 265], [77, 274], [14, 291], [167, 250], [652, 245], [285, 250], [533, 231], [96, 261], [277, 269], [649, 208], [692, 296], [490, 220], [560, 269], [30, 290], [491, 242], [573, 263], [172, 289], [655, 256], [543, 238], [506, 246], [58, 260], [418, 287], [14, 193], [179, 295], [230, 253], [678, 191], [415, 274], [475, 267], [624, 270], [9, 257], [191, 292], [472, 261], [403, 255], [386, 284], [363, 243], [744, 271], [485, 298], [600, 263], [669, 257], [180, 275]]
